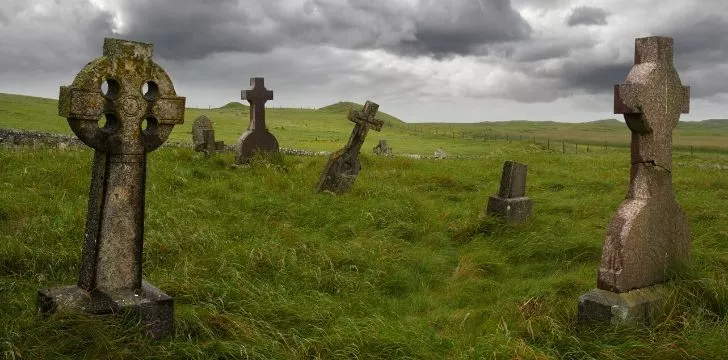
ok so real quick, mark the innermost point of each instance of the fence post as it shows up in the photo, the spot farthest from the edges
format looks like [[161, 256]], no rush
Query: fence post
[[576, 148], [548, 144], [691, 150], [563, 147]]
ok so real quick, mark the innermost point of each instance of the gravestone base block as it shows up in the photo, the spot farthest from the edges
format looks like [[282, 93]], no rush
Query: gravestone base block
[[154, 308], [253, 141], [511, 210], [340, 172], [636, 306]]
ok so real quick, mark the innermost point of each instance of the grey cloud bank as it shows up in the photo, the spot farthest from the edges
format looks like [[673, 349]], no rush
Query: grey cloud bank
[[421, 60]]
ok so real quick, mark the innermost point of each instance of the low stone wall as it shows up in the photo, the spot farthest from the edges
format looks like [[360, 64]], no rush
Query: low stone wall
[[15, 138], [24, 138]]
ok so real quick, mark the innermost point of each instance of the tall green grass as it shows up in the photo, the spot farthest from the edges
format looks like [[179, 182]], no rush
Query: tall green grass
[[401, 267]]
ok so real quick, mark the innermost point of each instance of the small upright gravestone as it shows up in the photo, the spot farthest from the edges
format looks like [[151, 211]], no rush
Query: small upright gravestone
[[203, 137], [110, 278], [511, 203], [383, 149], [344, 165], [648, 237], [257, 138]]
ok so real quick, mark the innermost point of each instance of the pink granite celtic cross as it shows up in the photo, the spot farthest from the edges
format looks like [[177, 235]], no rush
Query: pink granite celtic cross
[[648, 236]]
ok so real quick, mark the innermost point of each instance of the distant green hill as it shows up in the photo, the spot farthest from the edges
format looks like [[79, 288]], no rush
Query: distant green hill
[[342, 108], [234, 105], [614, 122]]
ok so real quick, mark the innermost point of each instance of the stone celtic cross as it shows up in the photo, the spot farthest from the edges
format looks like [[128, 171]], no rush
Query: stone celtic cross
[[648, 237], [141, 108], [343, 166], [257, 137]]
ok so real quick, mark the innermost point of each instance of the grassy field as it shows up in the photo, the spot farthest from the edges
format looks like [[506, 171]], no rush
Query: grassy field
[[328, 129], [401, 267]]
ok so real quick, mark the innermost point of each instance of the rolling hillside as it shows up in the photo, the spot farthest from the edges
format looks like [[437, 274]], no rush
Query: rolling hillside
[[328, 129]]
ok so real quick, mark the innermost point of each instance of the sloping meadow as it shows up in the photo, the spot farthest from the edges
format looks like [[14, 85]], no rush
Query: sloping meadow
[[401, 267]]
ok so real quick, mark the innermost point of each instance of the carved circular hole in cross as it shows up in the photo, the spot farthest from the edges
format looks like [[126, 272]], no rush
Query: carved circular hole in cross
[[110, 89], [150, 89], [149, 125], [110, 123]]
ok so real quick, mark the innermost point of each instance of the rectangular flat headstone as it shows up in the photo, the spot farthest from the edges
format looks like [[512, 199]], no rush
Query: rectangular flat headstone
[[513, 180]]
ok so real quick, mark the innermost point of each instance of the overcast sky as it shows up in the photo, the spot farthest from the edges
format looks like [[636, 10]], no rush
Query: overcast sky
[[420, 60]]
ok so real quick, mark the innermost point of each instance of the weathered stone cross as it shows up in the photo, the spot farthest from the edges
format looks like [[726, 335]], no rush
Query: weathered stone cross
[[648, 237], [111, 270], [257, 138], [651, 99], [364, 120], [344, 165]]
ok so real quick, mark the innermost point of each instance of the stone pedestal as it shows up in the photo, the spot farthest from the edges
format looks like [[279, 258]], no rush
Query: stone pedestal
[[154, 308], [639, 306], [511, 210]]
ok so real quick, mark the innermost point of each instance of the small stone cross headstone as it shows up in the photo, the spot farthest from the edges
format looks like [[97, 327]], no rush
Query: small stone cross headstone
[[203, 137], [344, 165], [110, 278], [257, 138], [383, 148], [648, 237], [511, 203]]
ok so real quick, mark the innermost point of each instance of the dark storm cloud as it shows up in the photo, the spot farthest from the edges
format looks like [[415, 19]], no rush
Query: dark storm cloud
[[537, 50], [352, 24], [453, 52], [587, 15], [39, 39], [595, 79], [700, 46], [189, 29], [464, 25], [702, 39]]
